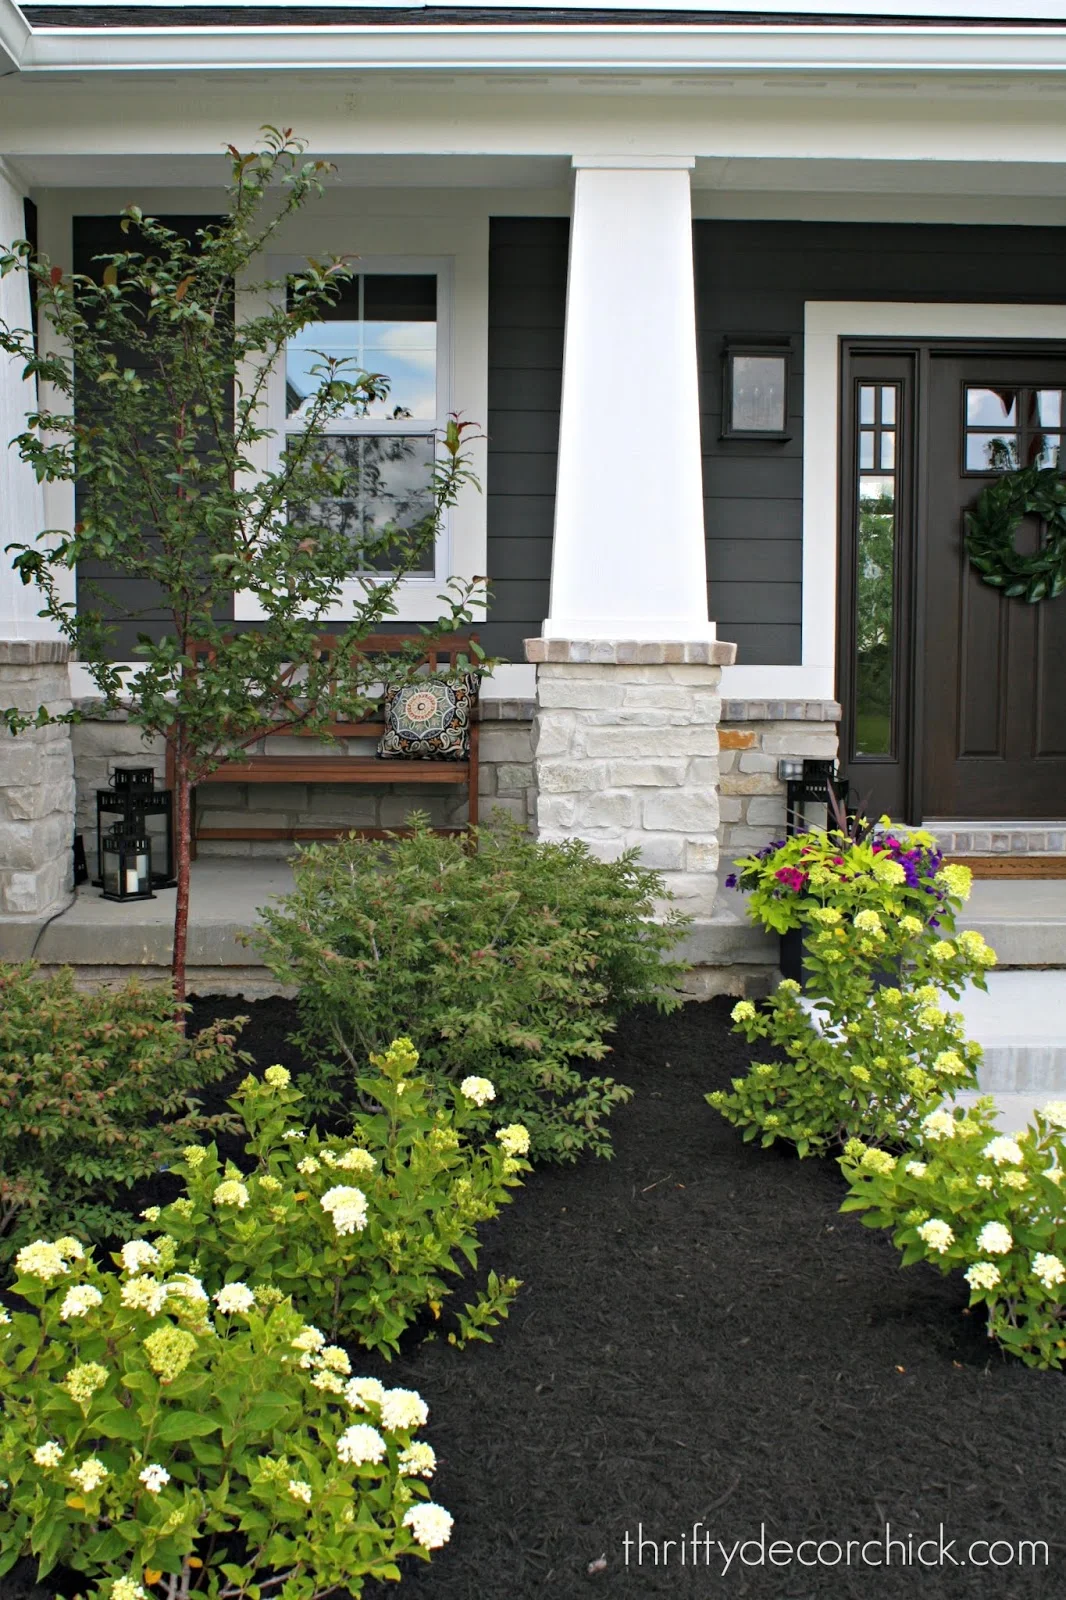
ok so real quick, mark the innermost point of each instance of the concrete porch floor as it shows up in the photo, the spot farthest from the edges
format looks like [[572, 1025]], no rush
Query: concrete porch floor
[[1021, 1022]]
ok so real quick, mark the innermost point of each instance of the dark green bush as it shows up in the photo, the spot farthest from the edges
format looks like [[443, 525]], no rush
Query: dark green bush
[[508, 960], [95, 1093]]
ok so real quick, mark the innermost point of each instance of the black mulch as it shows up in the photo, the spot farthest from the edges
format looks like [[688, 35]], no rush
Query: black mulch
[[702, 1338]]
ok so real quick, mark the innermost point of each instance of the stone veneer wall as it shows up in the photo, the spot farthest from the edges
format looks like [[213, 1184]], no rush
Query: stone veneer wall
[[36, 782], [505, 782], [753, 736]]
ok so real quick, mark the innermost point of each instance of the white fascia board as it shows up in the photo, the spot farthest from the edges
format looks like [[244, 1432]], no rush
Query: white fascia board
[[522, 48], [15, 35]]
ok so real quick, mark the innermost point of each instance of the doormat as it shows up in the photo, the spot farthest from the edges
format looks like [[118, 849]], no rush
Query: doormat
[[1013, 866]]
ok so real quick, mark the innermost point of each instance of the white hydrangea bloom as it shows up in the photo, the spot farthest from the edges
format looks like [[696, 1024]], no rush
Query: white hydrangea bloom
[[479, 1090], [937, 1235], [418, 1460], [347, 1206], [154, 1477], [362, 1392], [151, 1214], [79, 1301], [336, 1359], [983, 1275], [90, 1475], [1055, 1112], [403, 1409], [984, 1180], [1050, 1270], [939, 1125], [234, 1297], [1003, 1150], [144, 1294], [71, 1248], [41, 1260], [994, 1239], [308, 1166], [188, 1287], [430, 1524], [359, 1444], [355, 1160], [139, 1253], [515, 1139], [278, 1077], [126, 1589], [294, 1133], [328, 1382], [300, 1491], [917, 1169], [231, 1193], [48, 1455]]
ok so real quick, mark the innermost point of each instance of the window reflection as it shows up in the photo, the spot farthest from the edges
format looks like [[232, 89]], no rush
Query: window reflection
[[383, 323], [1031, 437], [390, 478], [875, 567]]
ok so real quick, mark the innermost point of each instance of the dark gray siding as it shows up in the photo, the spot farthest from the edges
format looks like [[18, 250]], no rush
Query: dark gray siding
[[752, 278], [133, 605], [527, 309]]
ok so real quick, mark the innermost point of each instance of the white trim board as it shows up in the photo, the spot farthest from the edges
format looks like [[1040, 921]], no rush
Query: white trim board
[[826, 322]]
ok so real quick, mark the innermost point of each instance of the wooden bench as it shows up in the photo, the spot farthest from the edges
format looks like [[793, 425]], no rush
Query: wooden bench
[[271, 768]]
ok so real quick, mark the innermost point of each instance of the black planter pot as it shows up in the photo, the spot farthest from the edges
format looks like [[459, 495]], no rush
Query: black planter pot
[[792, 963]]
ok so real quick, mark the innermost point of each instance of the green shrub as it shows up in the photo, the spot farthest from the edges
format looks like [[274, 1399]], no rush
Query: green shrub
[[96, 1091], [362, 1231], [506, 961], [966, 1197], [166, 1447], [861, 1057]]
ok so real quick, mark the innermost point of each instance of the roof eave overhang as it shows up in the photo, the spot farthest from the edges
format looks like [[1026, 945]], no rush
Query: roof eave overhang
[[645, 49], [15, 36]]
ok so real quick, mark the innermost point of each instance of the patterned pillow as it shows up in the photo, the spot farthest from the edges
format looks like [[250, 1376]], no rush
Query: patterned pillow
[[429, 719]]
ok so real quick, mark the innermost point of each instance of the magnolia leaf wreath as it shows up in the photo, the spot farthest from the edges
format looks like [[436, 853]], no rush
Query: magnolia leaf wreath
[[993, 523]]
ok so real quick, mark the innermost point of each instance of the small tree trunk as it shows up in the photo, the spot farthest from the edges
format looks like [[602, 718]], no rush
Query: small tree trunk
[[182, 854]]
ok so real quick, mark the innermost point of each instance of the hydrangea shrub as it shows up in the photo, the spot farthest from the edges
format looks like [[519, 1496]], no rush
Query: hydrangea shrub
[[856, 1055], [968, 1198], [362, 1232], [96, 1090], [167, 1444], [508, 960]]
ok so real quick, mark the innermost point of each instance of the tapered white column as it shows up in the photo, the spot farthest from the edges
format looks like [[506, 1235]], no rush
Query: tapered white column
[[628, 557], [36, 768], [625, 736], [21, 496]]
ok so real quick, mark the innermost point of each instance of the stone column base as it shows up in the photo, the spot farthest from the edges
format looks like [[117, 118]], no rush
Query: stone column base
[[36, 783], [625, 746]]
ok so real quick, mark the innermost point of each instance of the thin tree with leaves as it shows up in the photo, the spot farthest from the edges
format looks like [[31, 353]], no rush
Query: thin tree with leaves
[[154, 403]]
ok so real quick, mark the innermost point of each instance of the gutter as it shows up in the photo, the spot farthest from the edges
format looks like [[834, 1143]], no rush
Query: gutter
[[587, 49]]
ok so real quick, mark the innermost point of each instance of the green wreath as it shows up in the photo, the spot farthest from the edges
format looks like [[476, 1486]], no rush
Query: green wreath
[[993, 523]]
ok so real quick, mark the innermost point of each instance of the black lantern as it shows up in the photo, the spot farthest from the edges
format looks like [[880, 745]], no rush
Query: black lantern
[[755, 390], [126, 865], [135, 801], [809, 782]]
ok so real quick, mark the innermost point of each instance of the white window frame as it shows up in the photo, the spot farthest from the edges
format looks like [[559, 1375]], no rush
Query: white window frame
[[416, 597]]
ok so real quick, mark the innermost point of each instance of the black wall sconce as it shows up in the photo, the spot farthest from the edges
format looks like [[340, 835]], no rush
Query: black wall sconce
[[755, 384]]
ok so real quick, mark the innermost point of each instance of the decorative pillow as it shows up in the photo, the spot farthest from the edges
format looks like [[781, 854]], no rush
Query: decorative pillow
[[429, 719]]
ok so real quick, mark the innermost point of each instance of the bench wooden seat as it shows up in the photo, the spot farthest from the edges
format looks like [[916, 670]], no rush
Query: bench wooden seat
[[359, 769]]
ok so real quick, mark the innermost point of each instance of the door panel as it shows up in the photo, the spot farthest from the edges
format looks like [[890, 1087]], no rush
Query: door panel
[[992, 670]]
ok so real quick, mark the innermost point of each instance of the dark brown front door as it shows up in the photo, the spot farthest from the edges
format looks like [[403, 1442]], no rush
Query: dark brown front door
[[991, 672]]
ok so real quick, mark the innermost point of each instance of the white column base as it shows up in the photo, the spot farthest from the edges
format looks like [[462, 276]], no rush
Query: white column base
[[625, 749], [36, 784]]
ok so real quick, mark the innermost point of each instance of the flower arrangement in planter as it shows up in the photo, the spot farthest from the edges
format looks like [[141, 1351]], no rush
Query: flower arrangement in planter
[[168, 1445], [857, 1055], [363, 1231], [966, 1197]]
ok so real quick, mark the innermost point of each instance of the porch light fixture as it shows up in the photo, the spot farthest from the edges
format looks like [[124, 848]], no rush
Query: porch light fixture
[[126, 865], [808, 782], [755, 389], [128, 805]]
